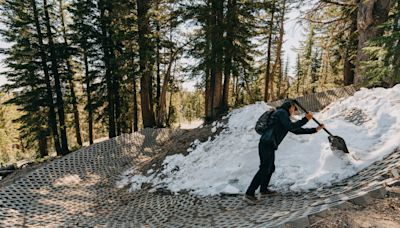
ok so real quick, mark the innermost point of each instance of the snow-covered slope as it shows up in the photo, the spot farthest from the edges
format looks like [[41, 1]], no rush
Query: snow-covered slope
[[369, 122]]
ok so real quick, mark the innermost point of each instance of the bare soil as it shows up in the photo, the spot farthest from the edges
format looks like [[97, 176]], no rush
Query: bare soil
[[178, 144], [384, 213]]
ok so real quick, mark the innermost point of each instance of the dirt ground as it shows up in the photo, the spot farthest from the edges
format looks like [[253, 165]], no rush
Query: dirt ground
[[383, 213], [178, 144]]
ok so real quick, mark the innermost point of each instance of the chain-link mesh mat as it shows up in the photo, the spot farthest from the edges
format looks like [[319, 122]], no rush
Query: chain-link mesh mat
[[78, 190], [317, 101]]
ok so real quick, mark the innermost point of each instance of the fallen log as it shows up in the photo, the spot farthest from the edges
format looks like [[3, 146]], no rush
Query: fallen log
[[6, 170]]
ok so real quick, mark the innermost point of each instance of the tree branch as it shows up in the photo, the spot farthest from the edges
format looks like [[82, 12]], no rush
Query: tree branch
[[323, 22], [337, 3]]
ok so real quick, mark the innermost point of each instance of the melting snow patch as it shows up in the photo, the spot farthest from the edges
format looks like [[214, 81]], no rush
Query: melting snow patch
[[369, 122]]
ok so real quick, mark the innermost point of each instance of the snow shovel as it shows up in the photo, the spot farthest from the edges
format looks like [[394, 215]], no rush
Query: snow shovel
[[337, 143]]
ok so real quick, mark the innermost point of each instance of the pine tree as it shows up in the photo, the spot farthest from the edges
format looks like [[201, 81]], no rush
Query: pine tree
[[371, 16], [105, 8], [146, 55], [383, 65], [216, 57], [335, 22], [83, 38], [268, 78], [200, 49], [237, 51], [315, 71], [66, 54], [299, 74], [57, 80], [303, 64], [278, 55], [28, 76]]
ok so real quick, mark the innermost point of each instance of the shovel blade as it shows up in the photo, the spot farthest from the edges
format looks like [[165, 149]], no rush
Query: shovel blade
[[337, 143]]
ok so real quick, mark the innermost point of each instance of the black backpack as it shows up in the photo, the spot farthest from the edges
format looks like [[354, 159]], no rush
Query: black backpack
[[262, 122]]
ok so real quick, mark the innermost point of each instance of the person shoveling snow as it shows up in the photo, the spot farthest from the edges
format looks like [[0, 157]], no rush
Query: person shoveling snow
[[277, 127], [369, 121]]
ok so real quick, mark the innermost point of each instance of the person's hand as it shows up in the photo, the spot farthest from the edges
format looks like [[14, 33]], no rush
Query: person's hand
[[309, 115], [320, 127]]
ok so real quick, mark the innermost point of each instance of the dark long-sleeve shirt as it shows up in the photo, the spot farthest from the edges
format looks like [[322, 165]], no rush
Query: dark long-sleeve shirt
[[280, 124]]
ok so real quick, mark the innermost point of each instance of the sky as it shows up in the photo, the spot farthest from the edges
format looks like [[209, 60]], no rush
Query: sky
[[2, 69], [293, 36]]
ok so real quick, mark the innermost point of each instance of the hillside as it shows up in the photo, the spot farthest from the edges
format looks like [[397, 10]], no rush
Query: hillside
[[369, 121]]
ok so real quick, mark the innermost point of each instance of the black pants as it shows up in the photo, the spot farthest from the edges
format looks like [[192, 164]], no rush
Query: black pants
[[267, 168]]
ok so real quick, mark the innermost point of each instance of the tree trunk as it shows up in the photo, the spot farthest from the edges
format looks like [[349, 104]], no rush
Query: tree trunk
[[116, 79], [70, 81], [231, 19], [108, 74], [278, 49], [285, 94], [208, 93], [237, 89], [396, 55], [52, 119], [248, 88], [163, 96], [145, 48], [135, 104], [57, 82], [89, 97], [217, 40], [279, 86], [303, 85], [161, 115], [349, 58], [75, 111], [267, 71], [43, 152], [158, 86], [314, 68], [371, 15], [170, 110], [117, 102]]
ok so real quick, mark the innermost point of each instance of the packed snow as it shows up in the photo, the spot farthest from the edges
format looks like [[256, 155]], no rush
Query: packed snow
[[369, 122]]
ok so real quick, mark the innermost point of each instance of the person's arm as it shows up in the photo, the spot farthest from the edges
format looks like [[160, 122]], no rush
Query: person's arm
[[289, 125], [304, 131]]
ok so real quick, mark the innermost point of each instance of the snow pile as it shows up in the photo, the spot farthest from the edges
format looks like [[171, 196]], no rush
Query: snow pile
[[369, 122]]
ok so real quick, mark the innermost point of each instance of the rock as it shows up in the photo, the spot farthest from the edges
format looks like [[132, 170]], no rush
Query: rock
[[362, 200], [298, 223]]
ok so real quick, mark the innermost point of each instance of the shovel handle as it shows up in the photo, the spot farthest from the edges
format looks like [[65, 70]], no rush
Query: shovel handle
[[316, 121]]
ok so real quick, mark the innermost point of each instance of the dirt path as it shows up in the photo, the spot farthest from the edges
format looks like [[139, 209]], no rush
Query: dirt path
[[383, 213]]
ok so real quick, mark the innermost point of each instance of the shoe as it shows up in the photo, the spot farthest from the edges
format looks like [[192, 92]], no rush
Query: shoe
[[250, 199], [269, 193]]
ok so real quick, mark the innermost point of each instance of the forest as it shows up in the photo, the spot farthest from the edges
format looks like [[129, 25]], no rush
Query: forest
[[81, 70]]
